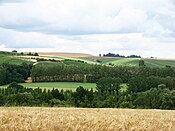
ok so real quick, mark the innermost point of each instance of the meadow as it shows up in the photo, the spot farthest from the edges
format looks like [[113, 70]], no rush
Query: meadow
[[58, 85], [11, 58], [83, 119]]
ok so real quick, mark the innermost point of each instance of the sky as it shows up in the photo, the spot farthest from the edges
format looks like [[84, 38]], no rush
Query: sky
[[126, 27]]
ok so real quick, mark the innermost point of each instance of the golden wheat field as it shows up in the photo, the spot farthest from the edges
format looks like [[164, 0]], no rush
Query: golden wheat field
[[70, 119]]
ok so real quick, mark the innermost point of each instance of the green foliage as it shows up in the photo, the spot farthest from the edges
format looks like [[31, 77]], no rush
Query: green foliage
[[14, 88], [77, 72], [108, 84], [14, 73], [142, 83], [83, 97], [156, 98]]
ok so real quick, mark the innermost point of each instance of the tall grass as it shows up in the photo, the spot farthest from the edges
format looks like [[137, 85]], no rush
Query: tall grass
[[58, 119]]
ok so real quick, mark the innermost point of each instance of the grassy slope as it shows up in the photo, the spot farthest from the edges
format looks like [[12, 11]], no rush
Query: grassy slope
[[159, 62], [39, 118], [8, 57], [134, 61], [12, 60]]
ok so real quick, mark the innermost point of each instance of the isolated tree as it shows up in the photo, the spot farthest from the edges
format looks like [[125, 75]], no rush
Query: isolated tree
[[36, 54], [15, 88], [141, 63]]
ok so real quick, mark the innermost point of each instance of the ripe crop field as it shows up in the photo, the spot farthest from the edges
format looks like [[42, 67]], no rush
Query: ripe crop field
[[70, 119]]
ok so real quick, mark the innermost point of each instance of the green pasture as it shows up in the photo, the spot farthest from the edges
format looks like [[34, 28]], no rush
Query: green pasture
[[64, 85], [10, 57], [12, 60], [58, 85], [159, 62]]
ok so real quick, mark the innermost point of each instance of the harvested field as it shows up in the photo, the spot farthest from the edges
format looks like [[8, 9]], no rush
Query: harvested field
[[65, 54], [59, 119]]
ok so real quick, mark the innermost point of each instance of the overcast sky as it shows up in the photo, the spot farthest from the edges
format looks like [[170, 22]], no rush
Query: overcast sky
[[141, 27]]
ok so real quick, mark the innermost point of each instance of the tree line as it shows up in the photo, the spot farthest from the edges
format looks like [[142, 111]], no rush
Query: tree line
[[118, 55], [92, 73]]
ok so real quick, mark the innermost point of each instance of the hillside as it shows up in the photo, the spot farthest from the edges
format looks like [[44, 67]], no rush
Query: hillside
[[132, 61], [90, 59], [9, 57], [12, 58]]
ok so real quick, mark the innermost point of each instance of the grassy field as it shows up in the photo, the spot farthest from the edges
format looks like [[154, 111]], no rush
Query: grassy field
[[12, 60], [73, 119], [64, 85], [8, 57], [58, 85], [159, 62]]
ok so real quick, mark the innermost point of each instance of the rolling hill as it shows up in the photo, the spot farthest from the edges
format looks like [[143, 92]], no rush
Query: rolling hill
[[150, 62], [9, 57]]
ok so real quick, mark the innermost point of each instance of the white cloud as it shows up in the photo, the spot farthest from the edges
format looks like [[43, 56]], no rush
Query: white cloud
[[90, 26], [87, 16]]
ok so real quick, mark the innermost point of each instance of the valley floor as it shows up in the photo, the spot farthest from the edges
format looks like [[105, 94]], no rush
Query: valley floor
[[39, 118]]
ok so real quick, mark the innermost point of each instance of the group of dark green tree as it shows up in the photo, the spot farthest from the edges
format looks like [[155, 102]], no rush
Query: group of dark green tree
[[146, 87], [118, 55], [92, 73], [108, 94], [14, 73]]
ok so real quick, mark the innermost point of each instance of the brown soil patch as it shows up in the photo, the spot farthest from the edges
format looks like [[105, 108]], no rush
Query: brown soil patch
[[29, 80]]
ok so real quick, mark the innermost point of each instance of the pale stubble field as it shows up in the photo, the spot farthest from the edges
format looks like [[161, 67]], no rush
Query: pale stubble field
[[68, 119]]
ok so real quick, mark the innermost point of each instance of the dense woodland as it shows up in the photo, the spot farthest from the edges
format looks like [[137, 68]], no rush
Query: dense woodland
[[147, 87], [92, 73]]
